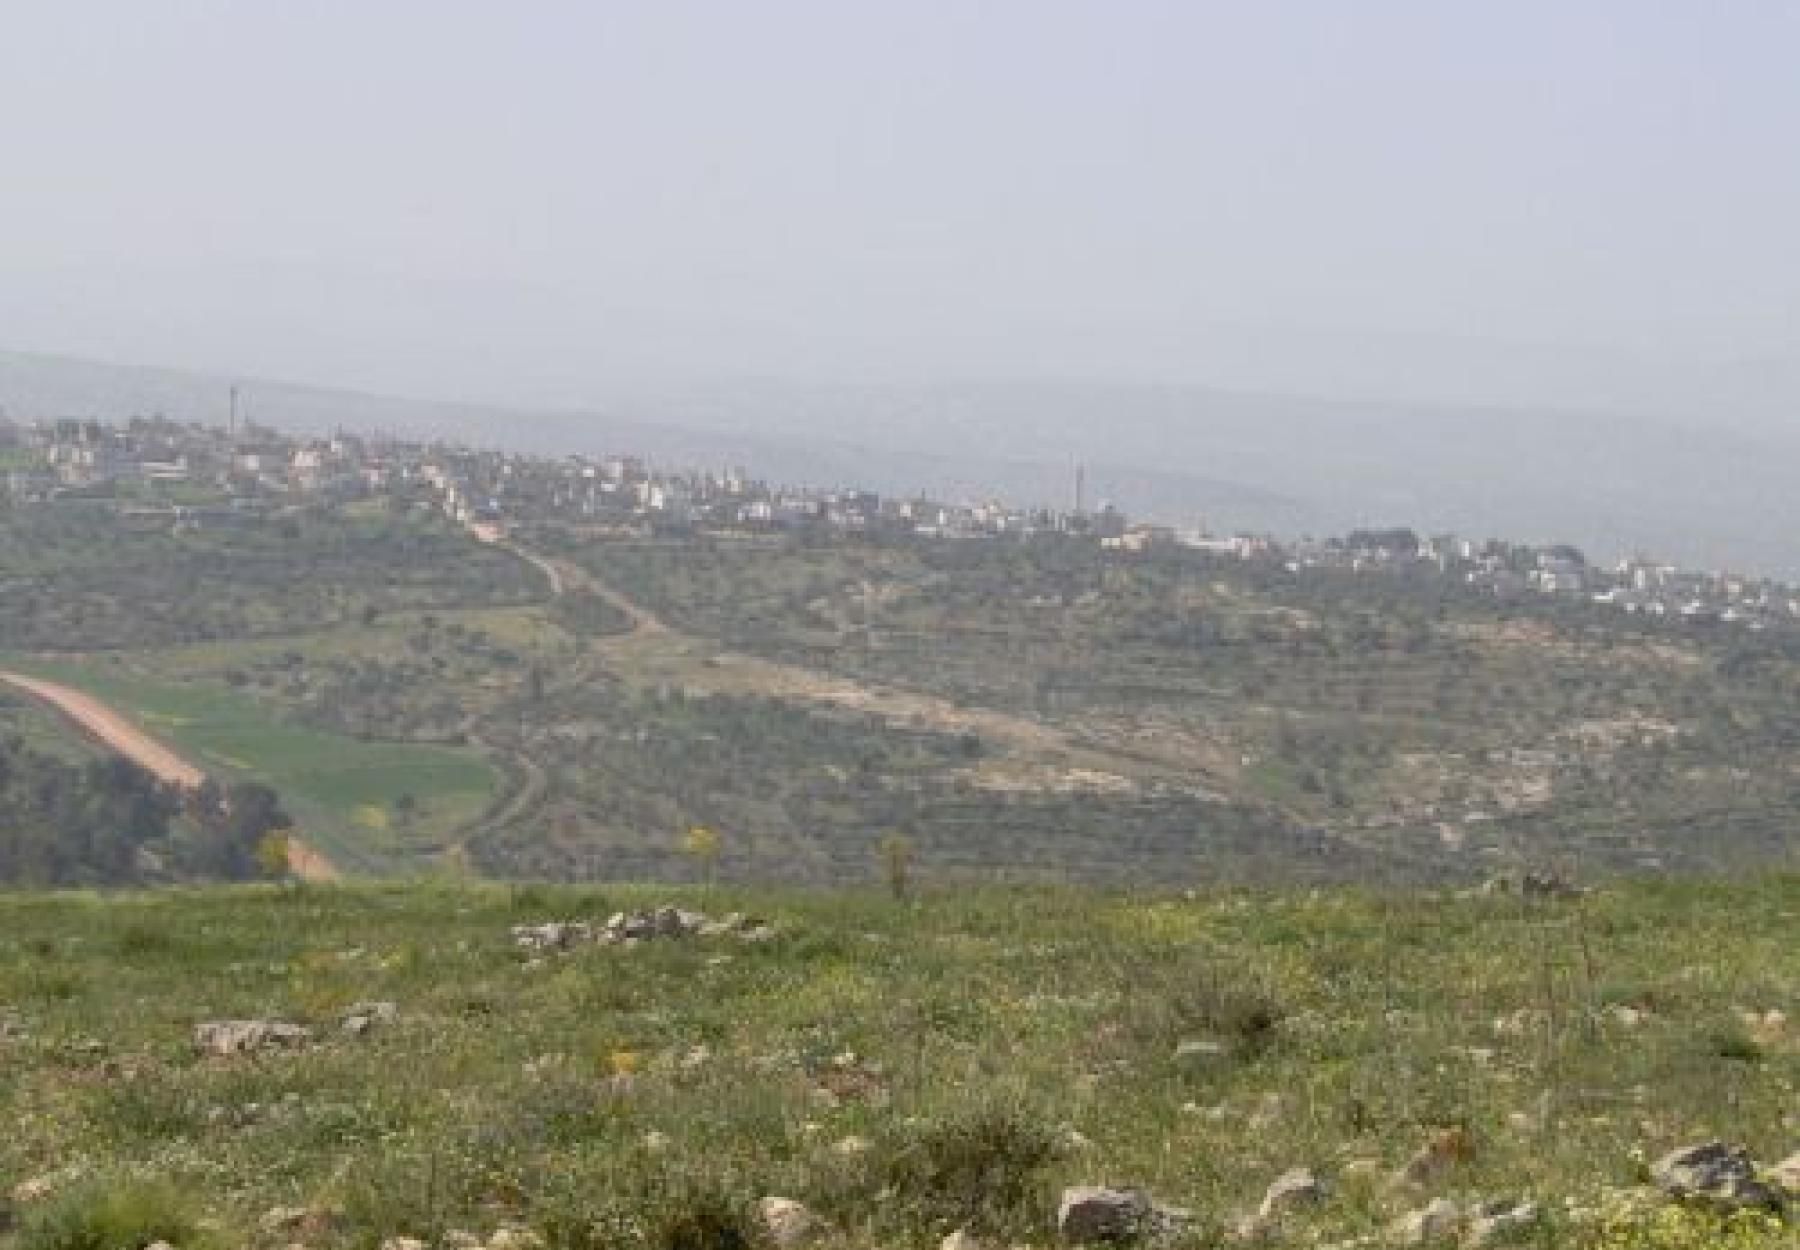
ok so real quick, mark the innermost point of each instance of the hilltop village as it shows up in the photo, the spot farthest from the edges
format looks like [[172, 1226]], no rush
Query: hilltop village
[[195, 475]]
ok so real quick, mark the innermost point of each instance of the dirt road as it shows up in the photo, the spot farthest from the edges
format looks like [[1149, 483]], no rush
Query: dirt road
[[553, 574], [654, 649], [102, 723], [565, 576], [115, 732]]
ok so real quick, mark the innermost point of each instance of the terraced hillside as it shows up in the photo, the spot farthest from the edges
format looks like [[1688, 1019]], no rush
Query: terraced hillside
[[570, 704], [1410, 718]]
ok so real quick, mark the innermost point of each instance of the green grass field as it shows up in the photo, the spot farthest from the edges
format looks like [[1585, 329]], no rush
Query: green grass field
[[332, 785], [903, 1068]]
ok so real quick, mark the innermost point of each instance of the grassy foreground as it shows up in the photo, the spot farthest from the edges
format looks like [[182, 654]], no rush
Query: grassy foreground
[[902, 1068]]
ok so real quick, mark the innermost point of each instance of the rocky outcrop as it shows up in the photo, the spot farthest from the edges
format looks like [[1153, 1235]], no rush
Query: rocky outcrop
[[1091, 1215], [362, 1017], [246, 1037], [1714, 1172], [1096, 1215], [631, 928]]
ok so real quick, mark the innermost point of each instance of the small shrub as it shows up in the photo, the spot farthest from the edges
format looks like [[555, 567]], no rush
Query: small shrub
[[142, 939], [412, 1194], [703, 1217], [527, 898], [148, 1110], [1193, 1000], [1736, 1045], [107, 1215], [53, 985], [979, 1169]]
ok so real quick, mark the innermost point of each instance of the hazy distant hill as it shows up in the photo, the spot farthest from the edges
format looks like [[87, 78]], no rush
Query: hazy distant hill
[[672, 431], [1610, 483], [1177, 453]]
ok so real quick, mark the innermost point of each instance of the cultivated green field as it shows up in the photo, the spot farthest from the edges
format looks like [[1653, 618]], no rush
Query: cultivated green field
[[345, 794], [902, 1068]]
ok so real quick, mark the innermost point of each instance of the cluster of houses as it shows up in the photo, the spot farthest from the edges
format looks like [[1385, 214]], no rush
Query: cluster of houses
[[152, 458], [1637, 585], [494, 489], [1650, 587], [148, 461], [197, 470]]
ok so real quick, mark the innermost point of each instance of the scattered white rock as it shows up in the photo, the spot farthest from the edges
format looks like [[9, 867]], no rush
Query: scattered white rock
[[1787, 1174], [403, 1243], [632, 928], [1494, 1223], [1198, 1054], [244, 1037], [360, 1018], [1297, 1187], [1436, 1221], [1519, 1023], [282, 1220], [851, 1147], [36, 1189], [788, 1223], [552, 935]]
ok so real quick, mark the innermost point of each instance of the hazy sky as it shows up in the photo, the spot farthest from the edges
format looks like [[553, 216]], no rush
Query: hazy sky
[[540, 201]]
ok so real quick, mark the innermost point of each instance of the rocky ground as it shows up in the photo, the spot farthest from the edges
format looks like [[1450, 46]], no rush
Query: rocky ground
[[490, 1069]]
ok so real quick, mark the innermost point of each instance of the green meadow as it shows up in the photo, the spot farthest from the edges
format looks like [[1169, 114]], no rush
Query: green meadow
[[348, 797]]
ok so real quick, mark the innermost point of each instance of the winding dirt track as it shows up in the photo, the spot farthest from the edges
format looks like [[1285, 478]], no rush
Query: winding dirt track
[[119, 734], [658, 647]]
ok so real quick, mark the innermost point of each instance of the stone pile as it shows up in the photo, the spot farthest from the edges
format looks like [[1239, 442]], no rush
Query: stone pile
[[635, 927]]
